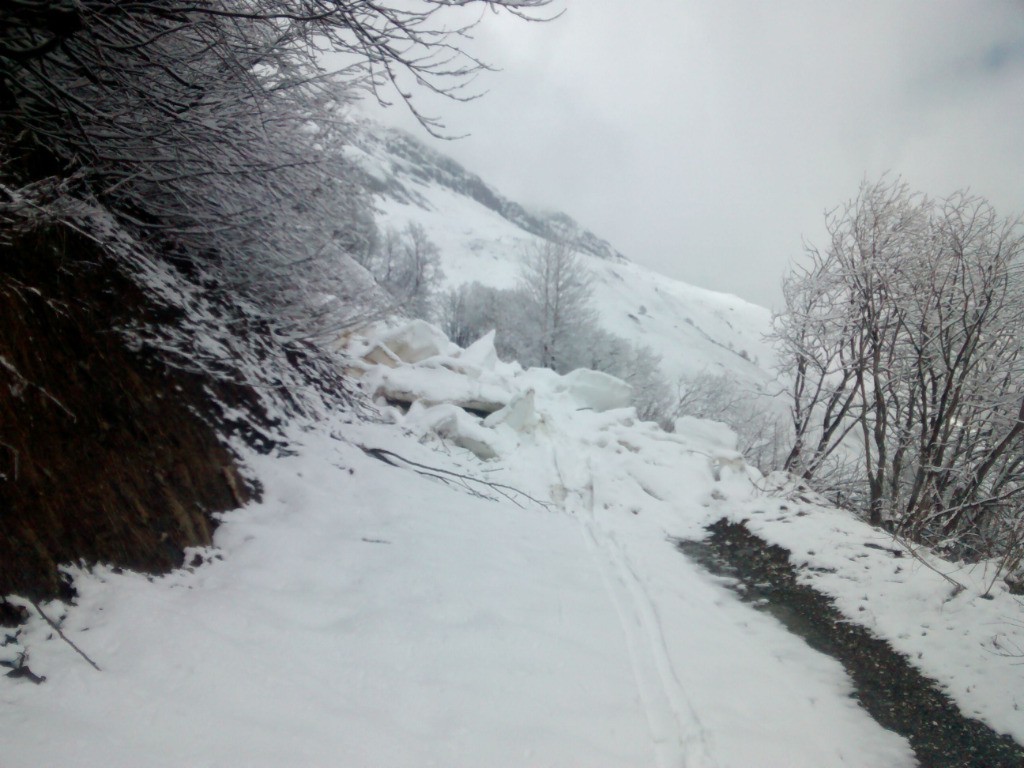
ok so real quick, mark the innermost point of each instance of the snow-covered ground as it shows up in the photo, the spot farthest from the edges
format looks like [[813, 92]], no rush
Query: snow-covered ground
[[529, 609], [956, 622]]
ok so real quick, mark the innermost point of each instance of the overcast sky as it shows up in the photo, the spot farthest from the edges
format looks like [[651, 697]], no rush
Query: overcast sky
[[705, 138]]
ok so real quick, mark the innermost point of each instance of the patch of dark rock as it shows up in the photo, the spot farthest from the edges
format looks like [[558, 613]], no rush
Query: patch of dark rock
[[886, 684], [22, 672], [12, 615], [1015, 582], [401, 405]]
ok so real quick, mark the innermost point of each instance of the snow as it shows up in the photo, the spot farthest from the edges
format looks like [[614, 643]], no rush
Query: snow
[[597, 390], [720, 333], [933, 611], [530, 609], [450, 589]]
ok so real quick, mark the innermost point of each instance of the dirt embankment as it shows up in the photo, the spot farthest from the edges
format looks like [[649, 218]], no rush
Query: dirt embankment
[[105, 453]]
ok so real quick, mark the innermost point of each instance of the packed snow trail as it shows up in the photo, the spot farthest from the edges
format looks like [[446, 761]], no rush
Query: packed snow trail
[[675, 728], [365, 615], [381, 618], [770, 700]]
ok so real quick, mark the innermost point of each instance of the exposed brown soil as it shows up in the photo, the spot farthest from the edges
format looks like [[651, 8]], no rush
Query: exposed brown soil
[[106, 455]]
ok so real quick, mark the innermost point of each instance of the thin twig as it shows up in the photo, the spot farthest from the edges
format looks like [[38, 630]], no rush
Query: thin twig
[[9, 367], [508, 491], [64, 637], [958, 587]]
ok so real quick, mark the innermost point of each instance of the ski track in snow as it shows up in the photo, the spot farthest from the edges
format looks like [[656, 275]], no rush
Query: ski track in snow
[[676, 732], [600, 499]]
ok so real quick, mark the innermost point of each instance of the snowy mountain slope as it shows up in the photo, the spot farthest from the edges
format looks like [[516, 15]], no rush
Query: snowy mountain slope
[[694, 330], [438, 587], [401, 167]]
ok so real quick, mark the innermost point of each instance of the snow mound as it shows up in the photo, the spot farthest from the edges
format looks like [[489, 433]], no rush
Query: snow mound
[[417, 365], [416, 341], [479, 356], [597, 390]]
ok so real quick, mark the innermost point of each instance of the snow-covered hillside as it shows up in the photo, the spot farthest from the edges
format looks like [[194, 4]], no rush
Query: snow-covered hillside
[[472, 564], [482, 237]]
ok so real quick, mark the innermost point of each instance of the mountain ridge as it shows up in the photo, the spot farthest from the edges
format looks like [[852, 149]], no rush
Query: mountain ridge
[[483, 236], [413, 162]]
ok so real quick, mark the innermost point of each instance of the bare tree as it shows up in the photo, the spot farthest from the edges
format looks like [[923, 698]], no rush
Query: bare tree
[[906, 333], [265, 45], [407, 264], [212, 128], [556, 287]]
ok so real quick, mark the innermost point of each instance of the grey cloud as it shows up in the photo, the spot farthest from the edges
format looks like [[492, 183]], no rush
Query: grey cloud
[[705, 139]]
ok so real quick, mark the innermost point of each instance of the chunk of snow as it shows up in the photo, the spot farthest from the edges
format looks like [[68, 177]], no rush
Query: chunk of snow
[[480, 355], [714, 433], [727, 462], [453, 423], [432, 386], [416, 341], [597, 390], [381, 355], [519, 415]]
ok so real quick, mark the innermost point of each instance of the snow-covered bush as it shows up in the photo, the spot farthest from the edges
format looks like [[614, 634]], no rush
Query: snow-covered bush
[[761, 433], [471, 310], [903, 342], [406, 264]]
